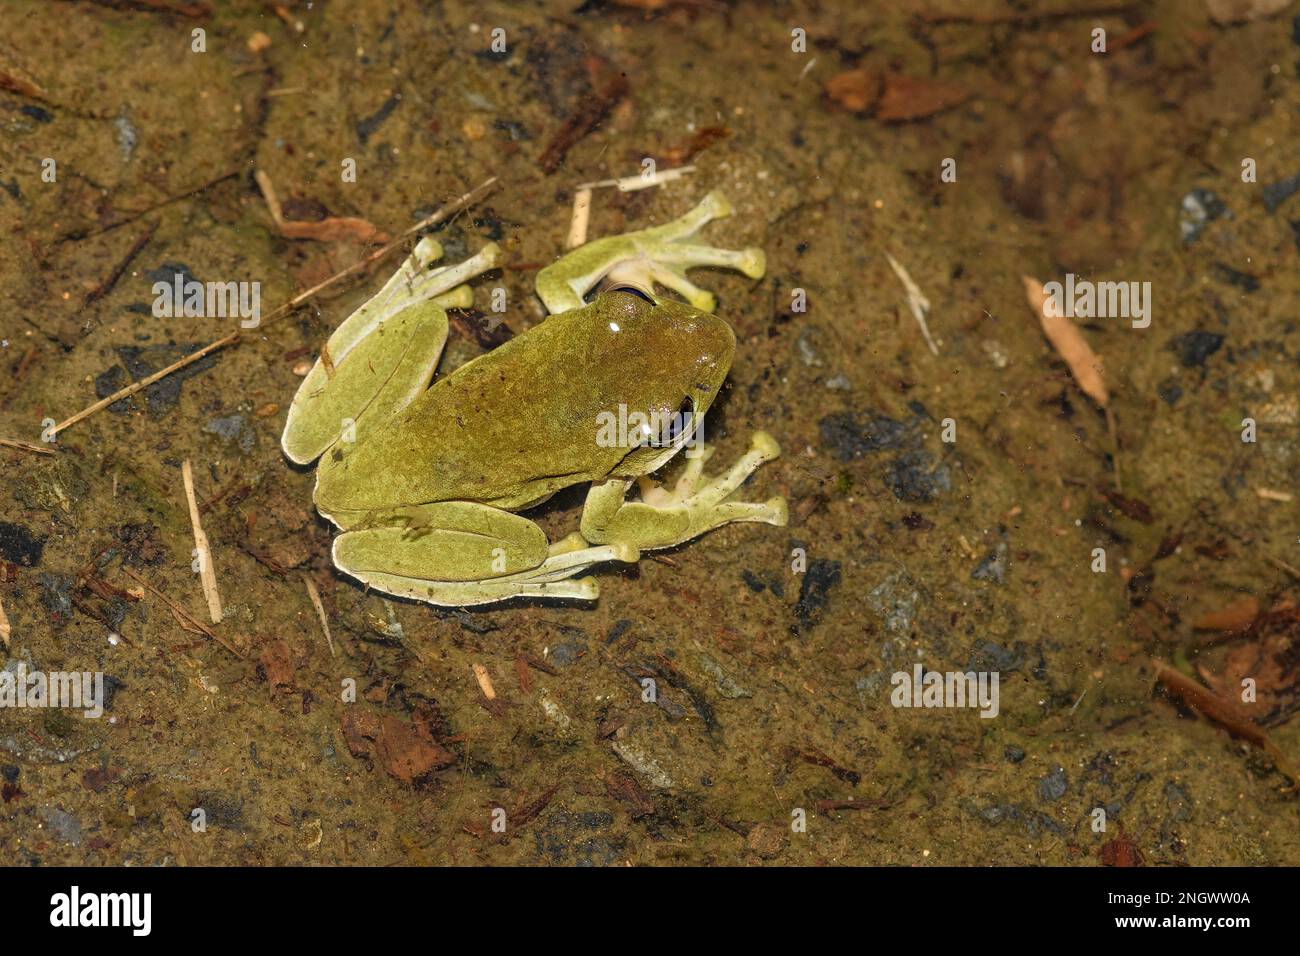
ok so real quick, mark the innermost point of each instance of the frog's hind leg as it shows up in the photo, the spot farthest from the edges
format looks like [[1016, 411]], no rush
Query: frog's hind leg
[[382, 356], [462, 553], [663, 519], [660, 254]]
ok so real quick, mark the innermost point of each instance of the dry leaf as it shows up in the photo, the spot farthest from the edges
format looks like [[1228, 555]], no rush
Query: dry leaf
[[1085, 364], [855, 90], [1237, 616], [332, 230], [911, 98]]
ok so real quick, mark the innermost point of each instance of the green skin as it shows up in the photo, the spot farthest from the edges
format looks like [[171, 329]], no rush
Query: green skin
[[426, 482]]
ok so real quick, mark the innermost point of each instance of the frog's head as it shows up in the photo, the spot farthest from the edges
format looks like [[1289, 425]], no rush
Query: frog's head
[[681, 358]]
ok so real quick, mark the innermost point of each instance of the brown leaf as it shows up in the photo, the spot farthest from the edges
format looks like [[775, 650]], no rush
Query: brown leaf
[[407, 752], [1237, 616], [98, 778], [1121, 851], [855, 90], [907, 98], [1272, 660], [277, 662], [1085, 364], [333, 229], [360, 729]]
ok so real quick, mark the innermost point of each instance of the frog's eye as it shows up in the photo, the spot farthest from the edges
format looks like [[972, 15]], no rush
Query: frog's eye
[[673, 426], [633, 290]]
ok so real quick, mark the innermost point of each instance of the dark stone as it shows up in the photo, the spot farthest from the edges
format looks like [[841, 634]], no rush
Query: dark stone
[[222, 809], [751, 581], [618, 630], [1169, 390], [10, 772], [162, 396], [993, 567], [581, 838], [55, 596], [1052, 787], [1242, 280], [1193, 348], [850, 436], [1179, 801], [168, 271], [38, 114], [110, 381], [567, 652], [1013, 754], [1032, 822], [988, 656], [19, 546], [814, 592], [911, 478], [111, 686], [1274, 194]]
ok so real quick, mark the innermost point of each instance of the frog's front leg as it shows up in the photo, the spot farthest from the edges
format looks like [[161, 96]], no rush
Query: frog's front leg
[[661, 254], [663, 519], [383, 355], [461, 553]]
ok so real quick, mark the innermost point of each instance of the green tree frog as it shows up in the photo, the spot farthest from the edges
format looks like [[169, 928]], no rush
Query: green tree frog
[[427, 482]]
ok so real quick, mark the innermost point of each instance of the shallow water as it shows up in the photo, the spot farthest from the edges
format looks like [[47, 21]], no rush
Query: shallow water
[[772, 736]]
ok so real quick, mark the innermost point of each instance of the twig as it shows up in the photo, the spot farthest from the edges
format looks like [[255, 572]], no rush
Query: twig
[[196, 8], [448, 210], [1294, 572], [916, 300], [146, 381], [26, 446], [78, 234], [1268, 494], [581, 216], [110, 280], [627, 184], [630, 184], [5, 629], [320, 611], [207, 573], [592, 109], [1224, 712], [186, 616]]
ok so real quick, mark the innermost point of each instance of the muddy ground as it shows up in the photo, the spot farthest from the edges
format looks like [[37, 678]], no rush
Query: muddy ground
[[773, 673]]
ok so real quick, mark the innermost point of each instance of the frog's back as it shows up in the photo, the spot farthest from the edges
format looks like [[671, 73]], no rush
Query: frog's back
[[514, 426]]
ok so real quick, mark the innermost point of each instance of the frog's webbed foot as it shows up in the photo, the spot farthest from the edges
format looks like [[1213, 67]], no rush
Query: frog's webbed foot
[[383, 355], [661, 254], [663, 518]]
